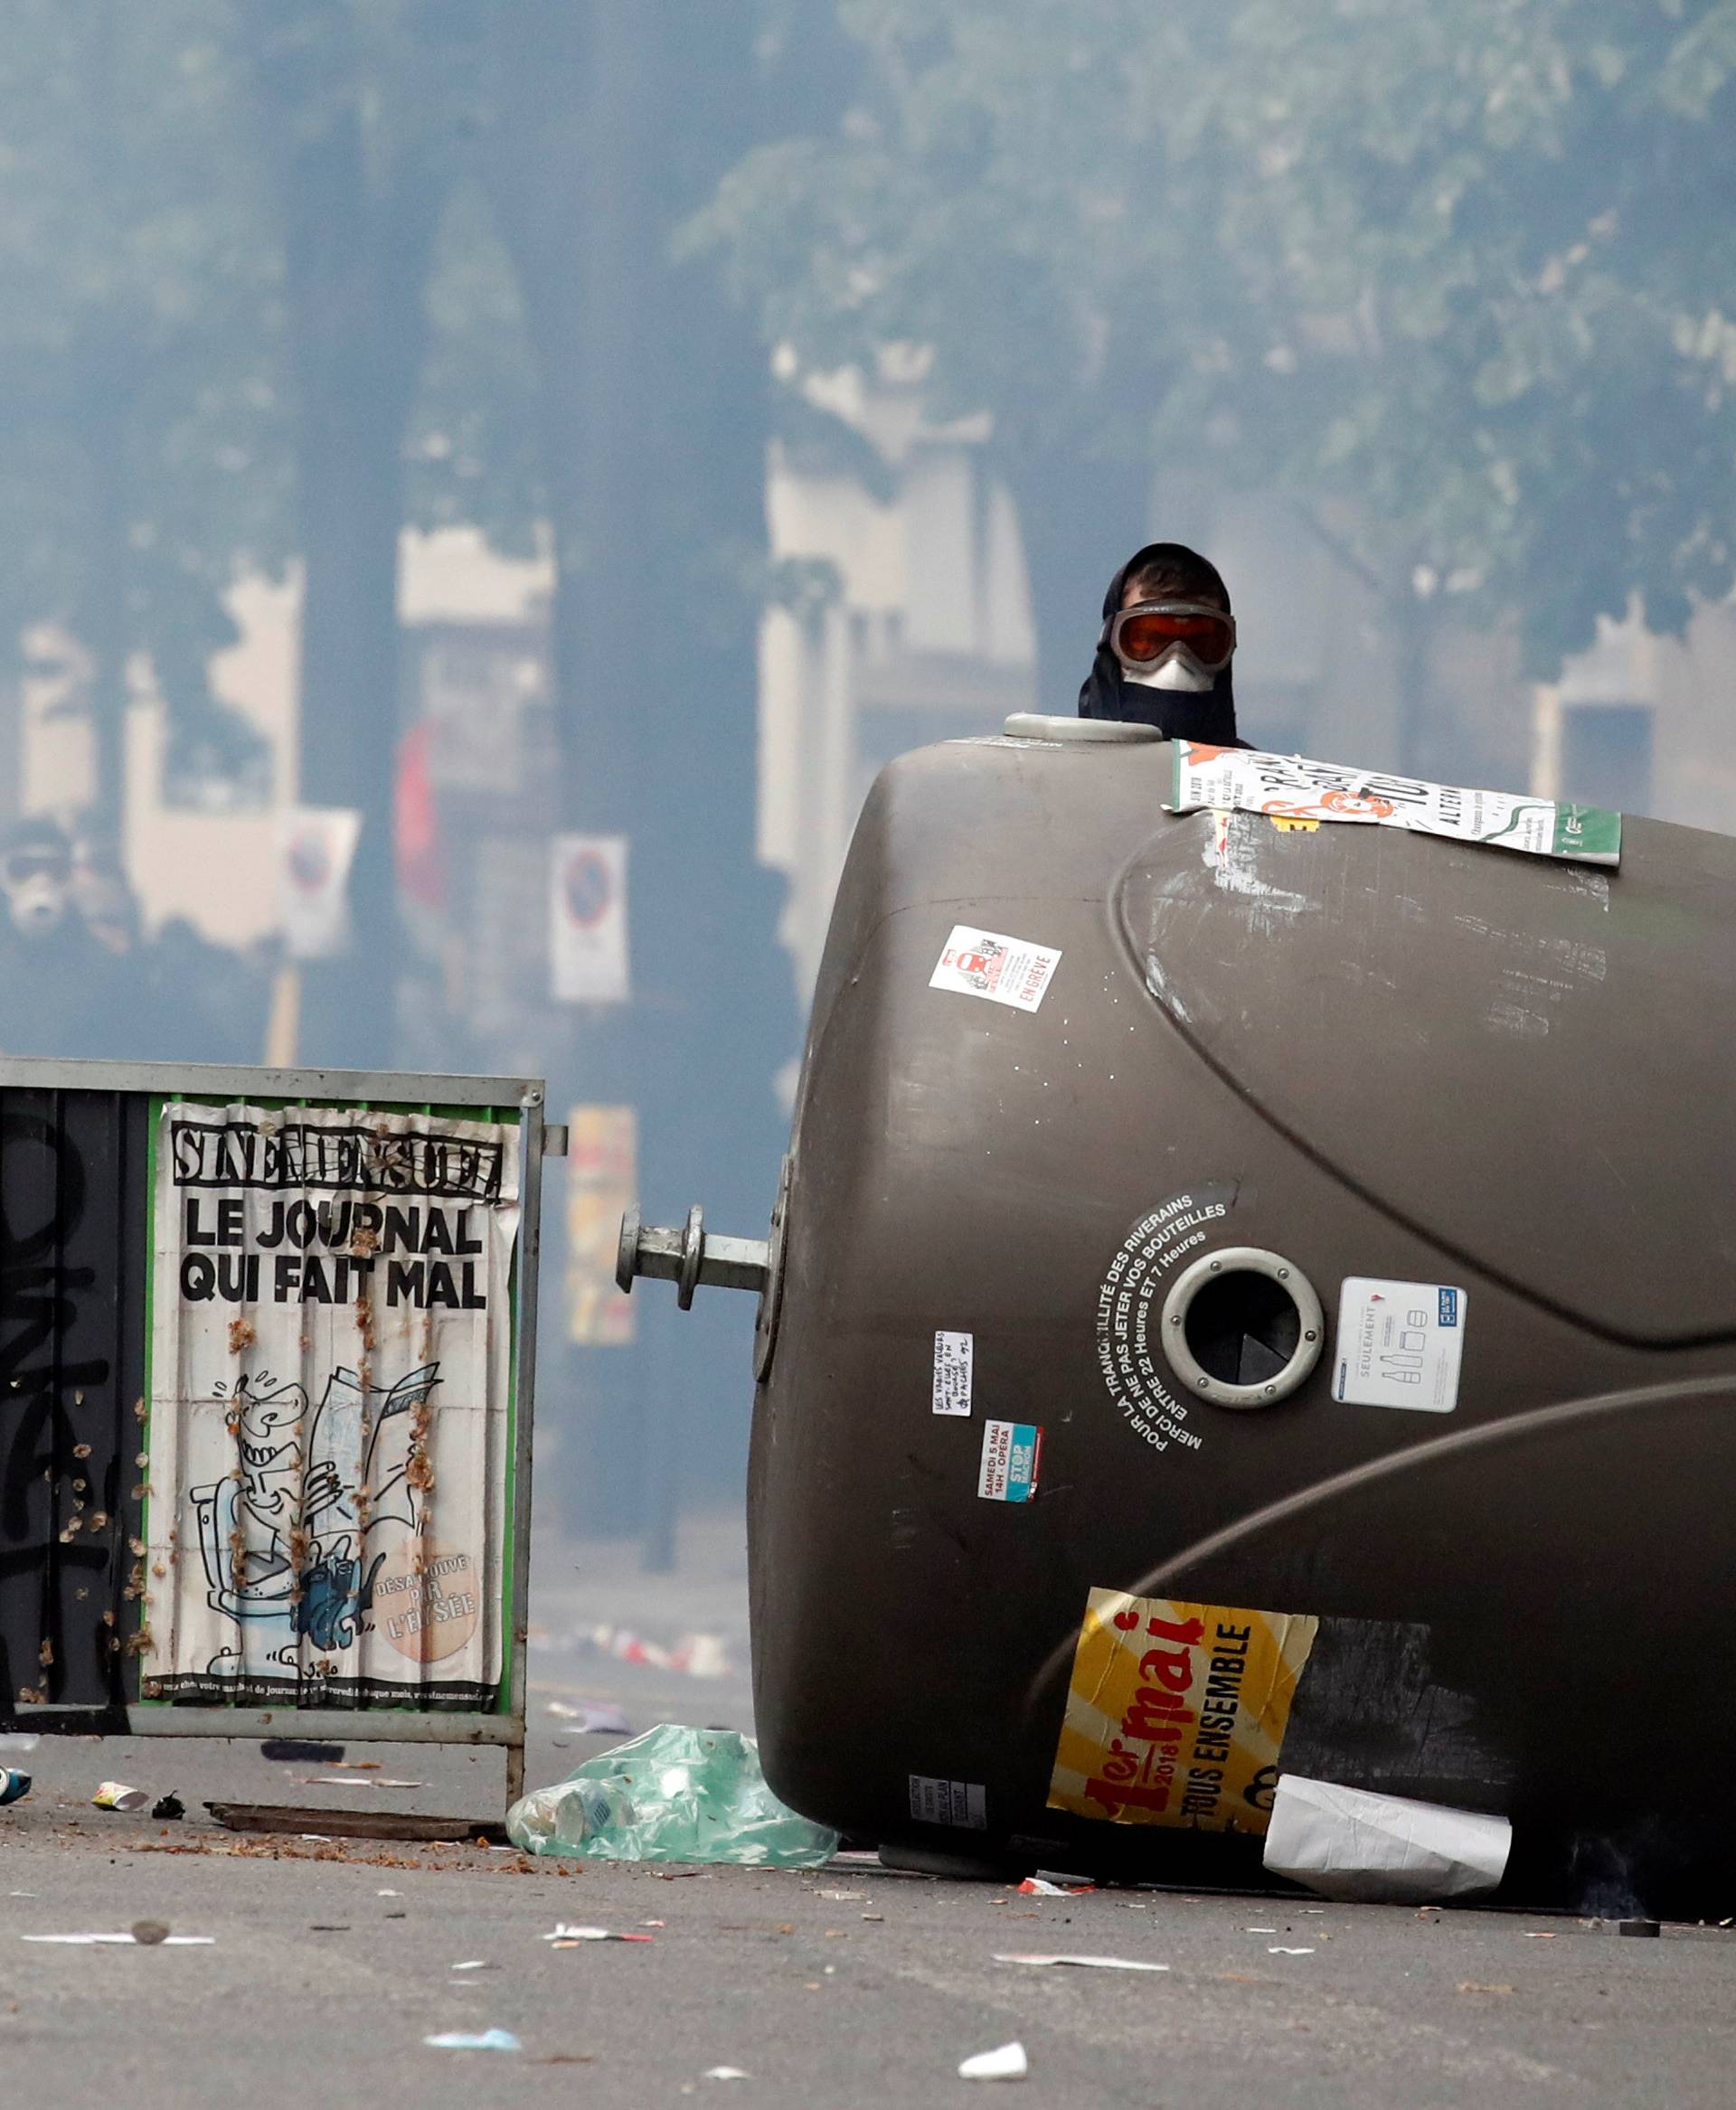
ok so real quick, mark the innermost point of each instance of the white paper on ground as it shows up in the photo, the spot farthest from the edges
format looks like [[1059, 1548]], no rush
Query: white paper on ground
[[1087, 1962], [1009, 2063], [1347, 1843]]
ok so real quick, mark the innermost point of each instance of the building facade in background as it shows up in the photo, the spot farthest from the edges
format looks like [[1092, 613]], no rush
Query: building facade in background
[[923, 633]]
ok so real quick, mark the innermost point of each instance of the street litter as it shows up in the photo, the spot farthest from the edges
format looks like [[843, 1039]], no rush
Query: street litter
[[169, 1807], [127, 1940], [305, 1754], [567, 1937], [672, 1793], [1085, 1962], [725, 2073], [388, 1893], [1346, 1844], [1041, 1886], [593, 1719], [24, 1741], [1007, 2064], [13, 1785], [476, 1963], [694, 1655], [483, 2041], [353, 1780], [148, 1933], [114, 1794], [1260, 1930], [1533, 1934], [844, 1897], [1283, 1952]]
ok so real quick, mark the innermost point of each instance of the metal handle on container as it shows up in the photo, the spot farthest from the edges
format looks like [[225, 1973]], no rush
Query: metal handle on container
[[690, 1256]]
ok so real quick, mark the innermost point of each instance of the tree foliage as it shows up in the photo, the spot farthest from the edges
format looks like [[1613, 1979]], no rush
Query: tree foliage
[[142, 452], [1451, 273]]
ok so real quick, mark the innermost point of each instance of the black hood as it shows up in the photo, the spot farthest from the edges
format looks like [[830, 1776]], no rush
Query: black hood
[[1107, 693]]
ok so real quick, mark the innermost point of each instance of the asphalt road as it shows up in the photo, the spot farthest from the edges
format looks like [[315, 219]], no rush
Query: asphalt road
[[329, 1964]]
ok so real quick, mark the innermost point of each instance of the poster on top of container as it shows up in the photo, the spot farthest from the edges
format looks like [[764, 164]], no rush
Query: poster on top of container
[[1291, 788], [330, 1408]]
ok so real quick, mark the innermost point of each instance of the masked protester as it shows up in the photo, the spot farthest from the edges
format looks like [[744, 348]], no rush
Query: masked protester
[[1164, 657], [56, 994]]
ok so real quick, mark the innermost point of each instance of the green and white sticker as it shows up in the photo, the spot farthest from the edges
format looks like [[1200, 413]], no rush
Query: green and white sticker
[[1298, 793]]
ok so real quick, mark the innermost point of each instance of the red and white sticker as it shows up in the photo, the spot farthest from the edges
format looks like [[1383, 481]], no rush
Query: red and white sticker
[[988, 964]]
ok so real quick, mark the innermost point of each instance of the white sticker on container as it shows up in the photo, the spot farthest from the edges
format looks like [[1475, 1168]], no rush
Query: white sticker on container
[[1400, 1344], [1005, 970], [960, 1802], [953, 1355], [1012, 1453]]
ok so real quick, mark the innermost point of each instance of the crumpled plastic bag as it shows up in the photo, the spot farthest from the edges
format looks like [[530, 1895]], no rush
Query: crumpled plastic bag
[[672, 1795]]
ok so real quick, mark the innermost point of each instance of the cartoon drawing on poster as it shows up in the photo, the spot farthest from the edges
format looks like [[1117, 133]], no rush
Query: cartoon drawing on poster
[[329, 1434]]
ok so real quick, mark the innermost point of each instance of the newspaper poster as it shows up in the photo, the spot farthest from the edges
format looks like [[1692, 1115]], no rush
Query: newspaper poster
[[1177, 1712], [1291, 788], [330, 1408], [602, 1185]]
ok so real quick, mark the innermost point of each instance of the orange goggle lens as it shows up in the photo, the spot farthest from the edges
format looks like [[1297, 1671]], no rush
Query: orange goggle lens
[[1144, 636]]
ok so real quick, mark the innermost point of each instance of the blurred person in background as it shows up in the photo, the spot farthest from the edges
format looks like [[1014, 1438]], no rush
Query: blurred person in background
[[104, 899], [79, 979], [175, 997], [1163, 655], [58, 985], [204, 1002]]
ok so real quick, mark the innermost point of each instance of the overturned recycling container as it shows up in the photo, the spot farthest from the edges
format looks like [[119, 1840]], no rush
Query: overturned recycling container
[[1254, 1293]]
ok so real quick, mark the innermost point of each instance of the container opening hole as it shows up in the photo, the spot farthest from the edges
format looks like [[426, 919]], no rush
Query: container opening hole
[[1243, 1328]]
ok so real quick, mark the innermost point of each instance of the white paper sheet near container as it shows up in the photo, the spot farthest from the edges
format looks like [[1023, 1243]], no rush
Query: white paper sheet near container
[[1347, 1843]]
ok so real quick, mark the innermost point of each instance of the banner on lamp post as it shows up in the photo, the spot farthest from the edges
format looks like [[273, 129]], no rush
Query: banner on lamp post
[[588, 951], [602, 1184]]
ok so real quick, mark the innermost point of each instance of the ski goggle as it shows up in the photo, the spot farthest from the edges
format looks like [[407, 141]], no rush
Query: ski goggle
[[1140, 636], [19, 867]]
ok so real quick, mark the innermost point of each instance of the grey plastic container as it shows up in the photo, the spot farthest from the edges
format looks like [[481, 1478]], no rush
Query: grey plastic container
[[1378, 1055]]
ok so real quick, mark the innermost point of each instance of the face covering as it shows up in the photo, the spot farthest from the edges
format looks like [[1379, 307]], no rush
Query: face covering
[[1178, 671], [1177, 693]]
